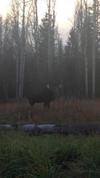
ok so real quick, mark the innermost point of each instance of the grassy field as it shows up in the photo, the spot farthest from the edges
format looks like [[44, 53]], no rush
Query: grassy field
[[49, 156]]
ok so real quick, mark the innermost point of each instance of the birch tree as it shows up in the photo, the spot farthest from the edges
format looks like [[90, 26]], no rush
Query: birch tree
[[51, 30], [94, 49], [16, 38], [22, 55], [19, 19], [85, 51]]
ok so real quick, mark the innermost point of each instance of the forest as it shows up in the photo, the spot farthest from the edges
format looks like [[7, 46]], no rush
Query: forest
[[33, 54], [55, 132]]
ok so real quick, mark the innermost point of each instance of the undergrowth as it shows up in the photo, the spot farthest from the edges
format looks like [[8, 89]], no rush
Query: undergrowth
[[49, 156]]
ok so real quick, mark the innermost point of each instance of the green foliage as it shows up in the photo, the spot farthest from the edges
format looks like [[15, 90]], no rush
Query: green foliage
[[49, 156]]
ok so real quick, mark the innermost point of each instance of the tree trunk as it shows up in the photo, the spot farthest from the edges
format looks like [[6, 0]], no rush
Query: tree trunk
[[22, 57], [85, 55], [94, 50]]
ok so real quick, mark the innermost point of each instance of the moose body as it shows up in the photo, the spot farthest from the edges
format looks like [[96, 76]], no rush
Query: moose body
[[45, 97]]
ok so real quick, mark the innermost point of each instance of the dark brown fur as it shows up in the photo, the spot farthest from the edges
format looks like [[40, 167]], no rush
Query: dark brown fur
[[45, 97]]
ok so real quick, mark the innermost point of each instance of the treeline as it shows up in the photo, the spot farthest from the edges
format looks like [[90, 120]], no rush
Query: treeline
[[33, 55]]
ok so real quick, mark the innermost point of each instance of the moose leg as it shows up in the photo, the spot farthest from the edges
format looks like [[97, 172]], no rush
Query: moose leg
[[31, 111], [47, 104], [30, 114]]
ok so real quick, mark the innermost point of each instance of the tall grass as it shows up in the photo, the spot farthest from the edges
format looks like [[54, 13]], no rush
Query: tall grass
[[61, 111], [49, 156]]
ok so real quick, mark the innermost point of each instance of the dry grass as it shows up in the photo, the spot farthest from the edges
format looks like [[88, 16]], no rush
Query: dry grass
[[60, 111]]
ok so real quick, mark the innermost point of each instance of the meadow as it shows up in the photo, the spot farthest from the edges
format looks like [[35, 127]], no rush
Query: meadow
[[49, 156]]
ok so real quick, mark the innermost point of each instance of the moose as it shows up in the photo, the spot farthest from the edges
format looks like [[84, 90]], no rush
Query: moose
[[45, 96]]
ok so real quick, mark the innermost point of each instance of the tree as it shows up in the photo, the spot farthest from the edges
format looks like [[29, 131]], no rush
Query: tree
[[73, 66], [46, 48], [16, 34], [19, 20]]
